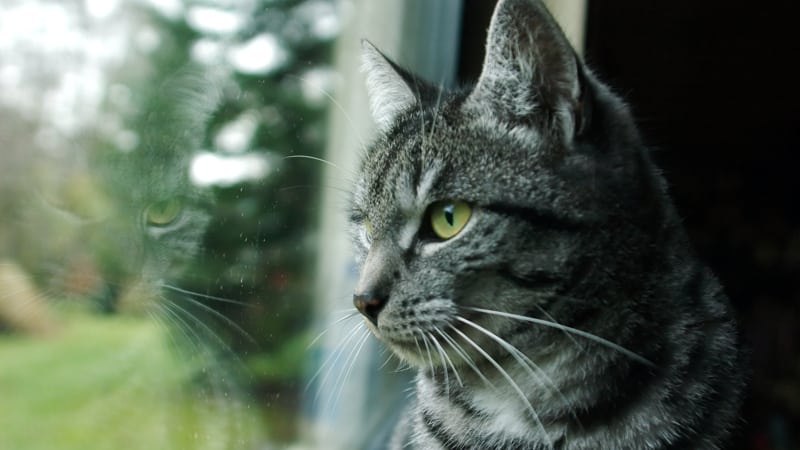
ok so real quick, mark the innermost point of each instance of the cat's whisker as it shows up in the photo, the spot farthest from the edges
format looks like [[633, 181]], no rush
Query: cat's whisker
[[207, 330], [464, 356], [533, 370], [182, 317], [162, 322], [350, 363], [421, 112], [566, 333], [510, 381], [175, 321], [350, 315], [202, 356], [401, 366], [333, 358], [427, 351], [315, 187], [227, 320], [323, 161], [388, 359], [446, 360], [338, 105], [575, 331], [436, 107], [430, 361], [205, 296], [416, 343]]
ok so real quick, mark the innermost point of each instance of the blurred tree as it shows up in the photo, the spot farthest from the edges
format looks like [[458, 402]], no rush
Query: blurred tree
[[270, 60]]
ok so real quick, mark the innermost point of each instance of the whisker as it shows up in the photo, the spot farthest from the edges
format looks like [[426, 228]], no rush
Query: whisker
[[332, 359], [222, 317], [430, 360], [335, 103], [315, 186], [206, 296], [177, 322], [510, 381], [321, 160], [210, 332], [446, 360], [524, 361], [388, 359], [584, 334], [463, 354], [349, 363], [350, 315], [428, 351], [436, 110], [566, 333], [164, 325]]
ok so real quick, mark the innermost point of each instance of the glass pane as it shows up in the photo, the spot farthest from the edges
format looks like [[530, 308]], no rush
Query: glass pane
[[157, 242]]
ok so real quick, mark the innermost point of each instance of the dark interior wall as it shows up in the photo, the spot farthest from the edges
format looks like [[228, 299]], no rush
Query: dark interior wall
[[714, 86]]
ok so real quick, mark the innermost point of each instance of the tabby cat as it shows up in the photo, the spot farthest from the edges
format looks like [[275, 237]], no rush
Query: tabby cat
[[160, 213], [517, 246]]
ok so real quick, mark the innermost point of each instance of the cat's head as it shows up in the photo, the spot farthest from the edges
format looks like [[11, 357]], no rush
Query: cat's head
[[123, 224], [159, 213], [528, 194]]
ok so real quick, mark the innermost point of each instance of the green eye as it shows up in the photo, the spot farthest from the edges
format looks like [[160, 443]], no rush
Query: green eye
[[448, 218], [368, 228], [163, 213]]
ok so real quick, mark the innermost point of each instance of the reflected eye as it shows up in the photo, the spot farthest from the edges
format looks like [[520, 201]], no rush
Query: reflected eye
[[448, 218], [163, 213]]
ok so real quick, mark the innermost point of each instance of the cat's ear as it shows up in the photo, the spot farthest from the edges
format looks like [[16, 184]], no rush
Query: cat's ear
[[530, 68], [388, 90]]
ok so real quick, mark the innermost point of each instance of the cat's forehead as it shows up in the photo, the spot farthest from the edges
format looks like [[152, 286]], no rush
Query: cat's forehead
[[448, 153]]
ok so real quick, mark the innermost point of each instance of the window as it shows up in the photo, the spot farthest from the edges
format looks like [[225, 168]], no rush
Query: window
[[159, 226], [164, 278], [173, 268]]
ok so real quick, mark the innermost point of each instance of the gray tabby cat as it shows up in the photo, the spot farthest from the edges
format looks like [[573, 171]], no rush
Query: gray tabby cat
[[519, 248], [159, 217]]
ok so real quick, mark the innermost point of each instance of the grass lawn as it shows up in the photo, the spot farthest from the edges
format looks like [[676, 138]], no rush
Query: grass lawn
[[110, 382]]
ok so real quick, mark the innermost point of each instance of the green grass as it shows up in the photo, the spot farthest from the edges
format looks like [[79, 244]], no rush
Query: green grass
[[113, 383]]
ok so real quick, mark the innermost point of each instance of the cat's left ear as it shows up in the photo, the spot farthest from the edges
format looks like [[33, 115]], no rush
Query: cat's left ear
[[387, 87], [531, 71]]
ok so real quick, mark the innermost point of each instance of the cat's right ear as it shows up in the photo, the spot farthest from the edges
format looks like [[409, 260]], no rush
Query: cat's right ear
[[389, 93]]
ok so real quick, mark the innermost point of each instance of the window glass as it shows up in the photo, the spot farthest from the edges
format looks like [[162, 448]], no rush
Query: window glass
[[159, 195]]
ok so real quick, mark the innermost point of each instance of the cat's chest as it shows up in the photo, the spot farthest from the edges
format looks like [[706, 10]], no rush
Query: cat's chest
[[501, 414], [478, 411]]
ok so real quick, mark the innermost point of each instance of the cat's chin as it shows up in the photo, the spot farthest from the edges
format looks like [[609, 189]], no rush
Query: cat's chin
[[408, 353]]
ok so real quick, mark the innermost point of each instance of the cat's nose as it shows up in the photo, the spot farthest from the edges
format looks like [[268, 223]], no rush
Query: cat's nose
[[370, 305]]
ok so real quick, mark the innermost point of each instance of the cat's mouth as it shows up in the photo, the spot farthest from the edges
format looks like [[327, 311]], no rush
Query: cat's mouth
[[431, 345]]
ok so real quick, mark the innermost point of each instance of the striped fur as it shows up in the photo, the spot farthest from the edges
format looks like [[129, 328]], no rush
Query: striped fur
[[570, 312]]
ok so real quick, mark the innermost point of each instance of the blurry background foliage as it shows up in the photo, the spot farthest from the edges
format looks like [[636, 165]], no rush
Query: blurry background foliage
[[78, 79]]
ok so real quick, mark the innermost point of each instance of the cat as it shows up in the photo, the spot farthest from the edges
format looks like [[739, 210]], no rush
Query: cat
[[154, 204], [110, 226], [518, 247], [115, 242]]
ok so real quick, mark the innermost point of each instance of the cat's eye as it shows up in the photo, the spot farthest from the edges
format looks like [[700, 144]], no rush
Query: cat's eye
[[448, 218], [367, 230], [163, 213]]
